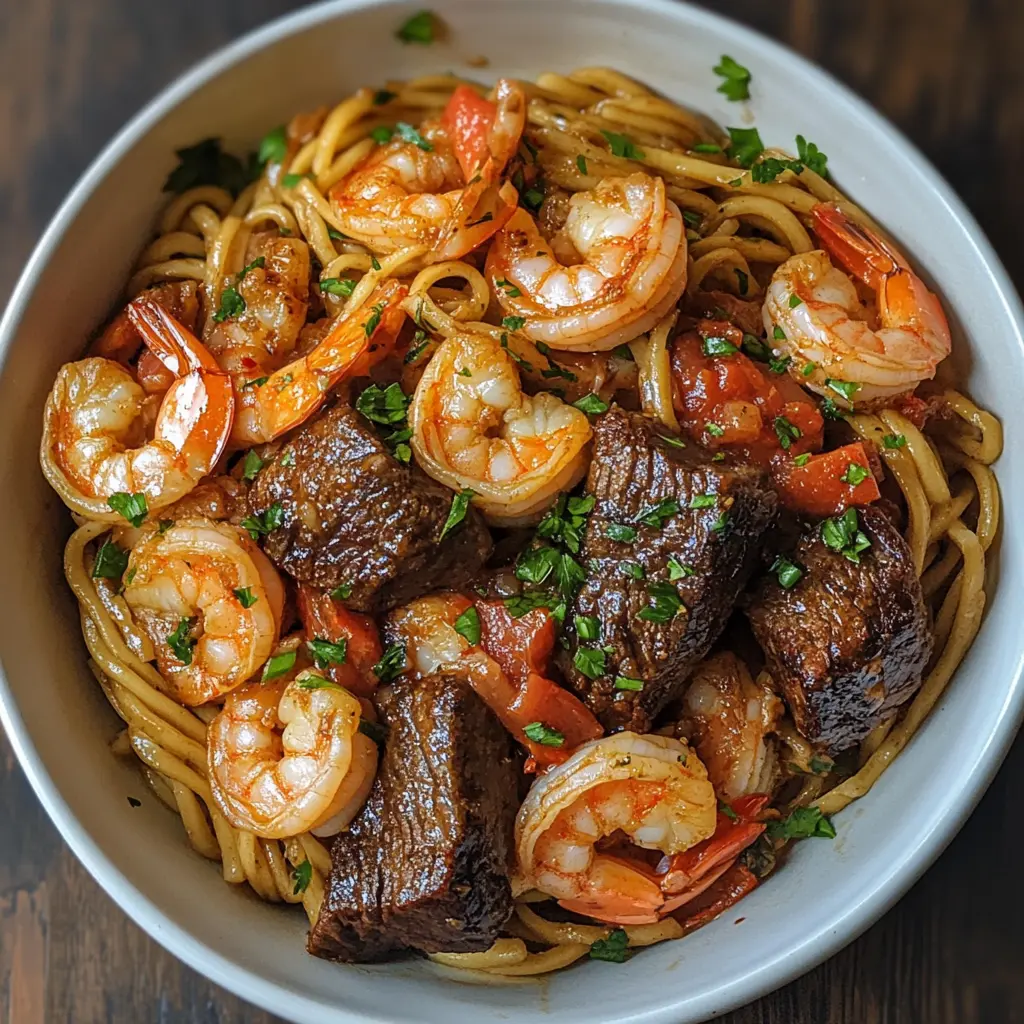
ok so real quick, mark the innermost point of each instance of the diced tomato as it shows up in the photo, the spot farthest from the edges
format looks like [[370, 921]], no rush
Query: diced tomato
[[731, 401], [328, 619], [469, 117], [818, 487], [518, 692]]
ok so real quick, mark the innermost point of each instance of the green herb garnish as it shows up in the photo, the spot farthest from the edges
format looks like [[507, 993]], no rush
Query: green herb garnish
[[735, 79], [131, 506], [467, 625], [457, 512], [543, 734]]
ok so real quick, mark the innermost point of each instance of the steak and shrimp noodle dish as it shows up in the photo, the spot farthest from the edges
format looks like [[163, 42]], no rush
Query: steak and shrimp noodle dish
[[507, 517]]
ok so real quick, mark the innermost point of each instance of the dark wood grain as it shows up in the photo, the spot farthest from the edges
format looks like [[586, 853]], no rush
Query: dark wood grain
[[949, 73]]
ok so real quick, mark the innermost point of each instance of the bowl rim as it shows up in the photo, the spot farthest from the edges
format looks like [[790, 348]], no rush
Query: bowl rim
[[778, 968]]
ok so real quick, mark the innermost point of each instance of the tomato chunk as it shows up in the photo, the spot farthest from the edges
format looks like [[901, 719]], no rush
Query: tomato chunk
[[469, 118], [327, 619], [827, 483], [521, 647], [730, 401]]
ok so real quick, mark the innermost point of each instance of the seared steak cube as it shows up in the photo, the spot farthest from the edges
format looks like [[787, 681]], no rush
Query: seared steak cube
[[848, 642], [669, 545], [425, 864], [353, 515]]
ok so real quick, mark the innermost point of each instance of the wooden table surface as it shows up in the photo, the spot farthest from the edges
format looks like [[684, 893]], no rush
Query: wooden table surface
[[950, 73]]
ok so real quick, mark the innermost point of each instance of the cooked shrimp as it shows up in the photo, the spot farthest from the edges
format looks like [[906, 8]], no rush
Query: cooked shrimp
[[287, 757], [654, 789], [275, 290], [358, 339], [210, 601], [95, 428], [731, 720], [825, 326], [473, 427], [631, 269], [426, 628], [412, 193]]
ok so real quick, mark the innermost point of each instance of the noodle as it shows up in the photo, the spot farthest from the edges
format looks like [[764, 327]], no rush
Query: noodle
[[739, 231]]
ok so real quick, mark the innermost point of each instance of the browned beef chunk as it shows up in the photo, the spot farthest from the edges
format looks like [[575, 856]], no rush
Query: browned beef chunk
[[425, 864], [354, 515], [847, 644], [662, 598]]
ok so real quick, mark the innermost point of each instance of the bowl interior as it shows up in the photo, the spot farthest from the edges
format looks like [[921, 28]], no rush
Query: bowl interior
[[60, 723]]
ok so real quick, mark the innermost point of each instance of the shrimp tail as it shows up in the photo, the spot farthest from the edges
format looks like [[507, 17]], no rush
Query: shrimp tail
[[173, 344]]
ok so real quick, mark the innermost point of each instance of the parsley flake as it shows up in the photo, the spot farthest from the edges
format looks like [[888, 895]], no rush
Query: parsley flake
[[736, 79]]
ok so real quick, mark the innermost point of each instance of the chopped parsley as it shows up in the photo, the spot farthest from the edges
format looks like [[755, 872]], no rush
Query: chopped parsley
[[735, 79], [768, 168], [259, 263], [676, 570], [720, 523], [274, 146], [665, 603], [409, 134], [745, 145], [831, 411], [786, 432], [543, 734], [291, 180], [532, 199], [779, 365], [705, 147], [581, 163], [251, 465], [420, 342], [675, 442], [206, 163], [382, 133], [703, 500], [341, 592], [467, 625], [391, 664], [388, 407], [787, 572], [254, 382], [110, 562], [655, 515], [513, 323], [756, 348], [521, 604], [714, 429], [894, 441], [131, 506], [510, 289], [457, 512], [278, 665], [264, 523], [724, 808], [181, 642], [327, 652], [743, 280], [634, 570], [376, 312], [803, 823], [622, 145], [245, 596], [843, 534], [807, 369], [164, 525], [614, 949], [811, 156], [231, 305], [794, 301], [802, 460], [302, 875], [420, 28], [591, 404], [590, 661], [343, 287], [855, 474], [717, 346], [619, 532], [588, 627], [846, 388], [778, 333], [628, 683]]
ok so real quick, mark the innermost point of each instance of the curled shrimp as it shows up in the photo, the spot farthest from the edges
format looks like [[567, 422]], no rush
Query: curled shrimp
[[96, 424], [414, 192], [828, 333], [210, 601], [731, 720], [473, 427], [654, 789], [631, 269], [287, 757]]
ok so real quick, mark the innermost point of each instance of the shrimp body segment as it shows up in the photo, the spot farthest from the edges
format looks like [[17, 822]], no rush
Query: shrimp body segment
[[358, 339], [207, 587], [287, 757], [654, 789], [413, 193], [473, 427], [825, 326], [98, 433], [631, 270]]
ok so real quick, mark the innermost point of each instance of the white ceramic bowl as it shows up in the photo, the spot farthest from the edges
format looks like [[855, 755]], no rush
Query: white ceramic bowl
[[827, 893]]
